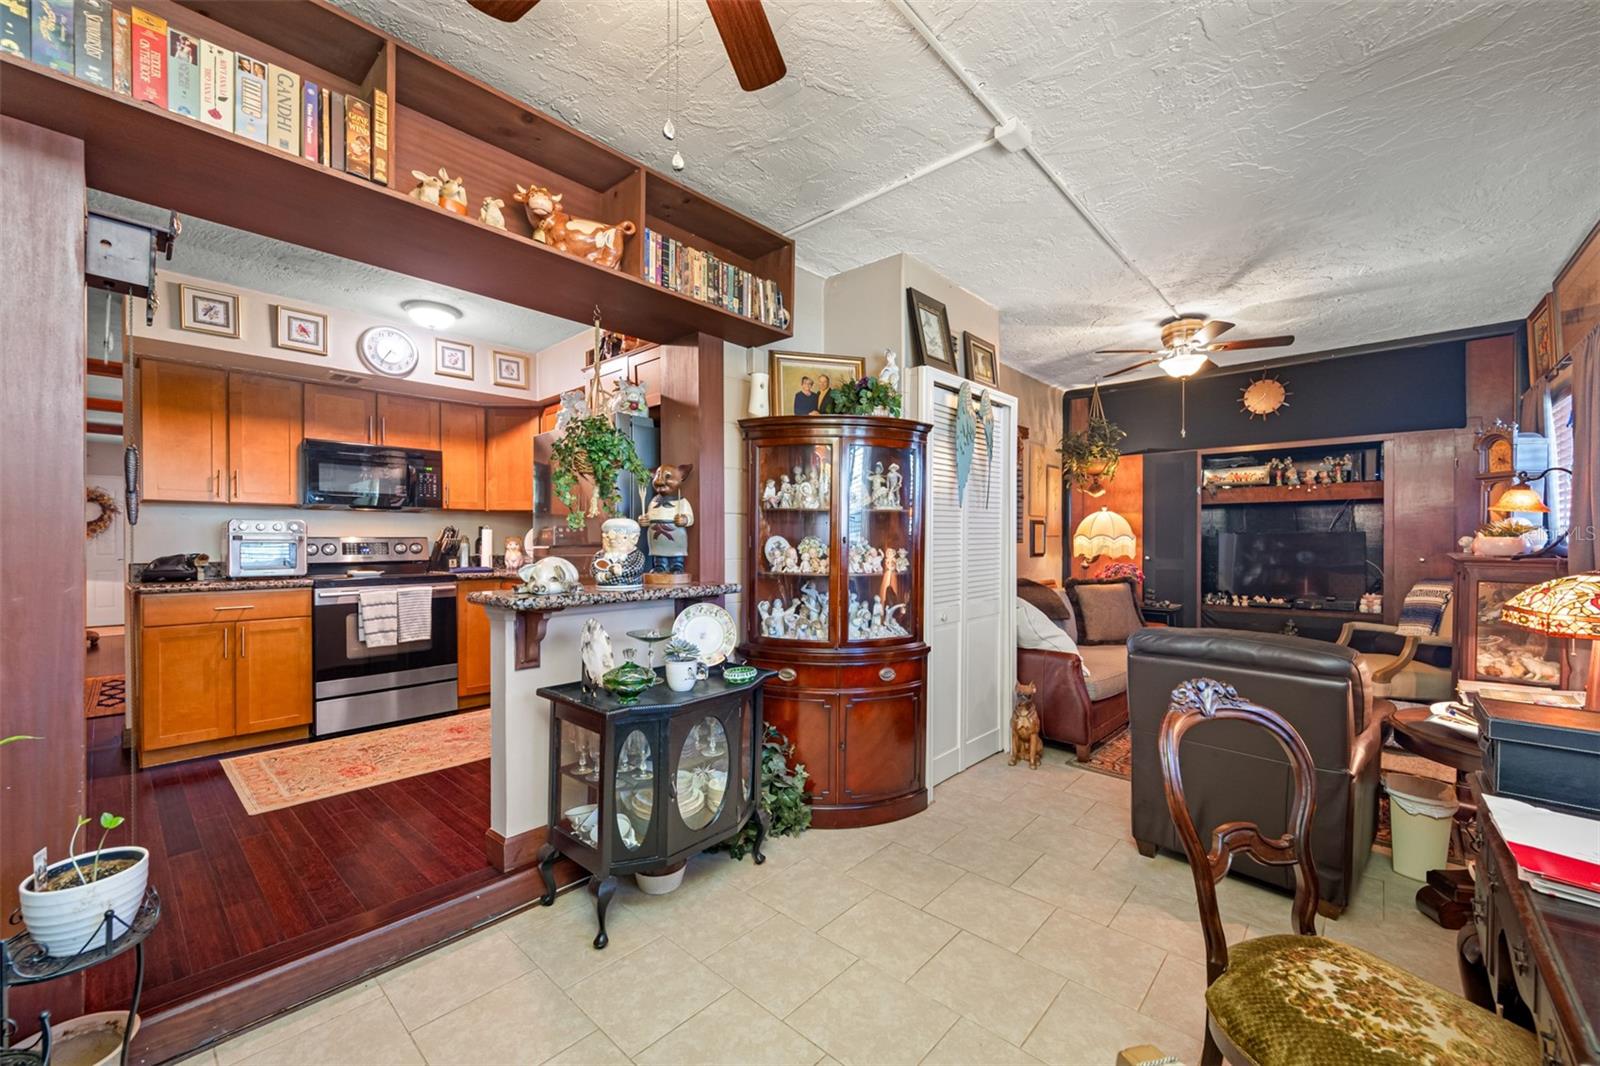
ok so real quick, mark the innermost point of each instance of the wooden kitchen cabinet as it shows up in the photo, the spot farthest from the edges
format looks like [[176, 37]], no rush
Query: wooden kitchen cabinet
[[461, 442], [265, 420], [272, 675], [333, 412], [183, 431], [508, 458], [408, 422], [472, 638], [185, 684]]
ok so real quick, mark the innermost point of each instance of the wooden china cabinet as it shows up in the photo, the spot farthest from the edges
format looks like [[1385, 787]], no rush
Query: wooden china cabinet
[[1487, 649], [833, 603]]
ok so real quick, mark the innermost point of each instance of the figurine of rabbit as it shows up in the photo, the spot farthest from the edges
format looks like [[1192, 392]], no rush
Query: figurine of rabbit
[[489, 213], [428, 187]]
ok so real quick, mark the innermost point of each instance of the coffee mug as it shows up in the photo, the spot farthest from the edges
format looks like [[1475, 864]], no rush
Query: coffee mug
[[681, 675]]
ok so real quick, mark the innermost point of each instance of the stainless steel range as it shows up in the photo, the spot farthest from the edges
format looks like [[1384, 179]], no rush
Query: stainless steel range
[[383, 633]]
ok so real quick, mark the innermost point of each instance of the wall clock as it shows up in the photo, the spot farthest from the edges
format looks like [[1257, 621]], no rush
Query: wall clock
[[388, 351], [1264, 396]]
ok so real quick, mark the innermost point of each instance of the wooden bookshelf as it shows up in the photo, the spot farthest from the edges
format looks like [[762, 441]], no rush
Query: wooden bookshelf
[[439, 117], [1349, 490]]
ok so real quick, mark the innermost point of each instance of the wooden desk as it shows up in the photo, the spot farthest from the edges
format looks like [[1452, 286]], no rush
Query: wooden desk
[[1536, 956]]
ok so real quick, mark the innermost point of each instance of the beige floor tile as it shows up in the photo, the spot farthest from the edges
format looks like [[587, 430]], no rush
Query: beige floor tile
[[1177, 997], [1161, 871], [865, 1016], [999, 818], [906, 875], [1083, 1028], [1085, 892], [596, 1049], [371, 1033], [812, 894], [780, 964], [968, 1043], [518, 1024], [839, 849], [734, 1029], [1169, 923], [981, 852], [298, 1021], [702, 918], [205, 1058], [894, 936], [1116, 965], [923, 832], [1053, 797], [997, 989], [644, 996], [562, 944], [1103, 788], [995, 912], [1065, 838], [717, 869], [442, 980], [1112, 819]]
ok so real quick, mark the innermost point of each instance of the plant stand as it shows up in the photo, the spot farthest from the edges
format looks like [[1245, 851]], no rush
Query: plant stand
[[23, 961]]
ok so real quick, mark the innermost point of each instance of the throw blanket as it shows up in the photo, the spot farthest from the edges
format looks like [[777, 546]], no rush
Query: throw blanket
[[1423, 609]]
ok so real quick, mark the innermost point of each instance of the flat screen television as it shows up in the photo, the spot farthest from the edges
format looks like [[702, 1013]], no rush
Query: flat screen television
[[1292, 565]]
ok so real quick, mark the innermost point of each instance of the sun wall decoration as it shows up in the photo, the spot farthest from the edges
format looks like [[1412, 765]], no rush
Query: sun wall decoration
[[1264, 396]]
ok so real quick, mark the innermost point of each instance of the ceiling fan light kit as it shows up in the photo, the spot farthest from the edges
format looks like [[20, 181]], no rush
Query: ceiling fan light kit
[[1184, 362]]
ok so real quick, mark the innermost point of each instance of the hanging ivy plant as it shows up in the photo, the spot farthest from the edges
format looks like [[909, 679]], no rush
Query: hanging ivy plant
[[1090, 455], [592, 448]]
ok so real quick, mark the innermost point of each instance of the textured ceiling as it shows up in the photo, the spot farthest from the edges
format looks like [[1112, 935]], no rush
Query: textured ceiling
[[1348, 172]]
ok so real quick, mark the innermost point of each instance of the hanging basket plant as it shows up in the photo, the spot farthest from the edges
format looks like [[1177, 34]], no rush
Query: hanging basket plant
[[592, 448], [1089, 457]]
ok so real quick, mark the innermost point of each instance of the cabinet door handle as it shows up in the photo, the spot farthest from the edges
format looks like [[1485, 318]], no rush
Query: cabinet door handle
[[242, 652], [383, 429], [225, 643], [218, 483], [236, 484], [786, 674], [369, 430], [447, 495], [886, 674]]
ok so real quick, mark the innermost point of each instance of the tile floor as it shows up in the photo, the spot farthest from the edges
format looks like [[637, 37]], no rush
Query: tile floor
[[1013, 921]]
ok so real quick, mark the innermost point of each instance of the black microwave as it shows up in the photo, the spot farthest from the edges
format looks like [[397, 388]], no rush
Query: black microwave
[[369, 477]]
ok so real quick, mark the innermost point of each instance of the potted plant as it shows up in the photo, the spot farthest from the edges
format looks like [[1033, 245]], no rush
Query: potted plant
[[1511, 536], [684, 666], [593, 448], [65, 907], [1089, 456], [783, 796], [867, 396]]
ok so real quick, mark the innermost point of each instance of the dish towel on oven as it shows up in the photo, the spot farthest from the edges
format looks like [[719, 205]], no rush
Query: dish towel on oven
[[416, 613], [377, 618]]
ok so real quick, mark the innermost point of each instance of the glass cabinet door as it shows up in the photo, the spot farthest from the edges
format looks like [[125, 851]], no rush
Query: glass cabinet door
[[879, 485], [1506, 652], [577, 787], [794, 539], [635, 791]]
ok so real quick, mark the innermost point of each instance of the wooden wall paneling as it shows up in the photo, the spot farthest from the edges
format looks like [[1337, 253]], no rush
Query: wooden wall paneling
[[266, 416], [692, 432], [1124, 495], [183, 430], [625, 201], [279, 32], [41, 523], [1171, 517], [1491, 380], [461, 445], [1430, 499]]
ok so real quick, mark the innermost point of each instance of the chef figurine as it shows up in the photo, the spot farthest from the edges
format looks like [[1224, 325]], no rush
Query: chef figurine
[[666, 520]]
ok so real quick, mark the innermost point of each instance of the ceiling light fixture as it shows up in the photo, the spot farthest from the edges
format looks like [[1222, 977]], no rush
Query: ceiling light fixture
[[430, 314], [1184, 362]]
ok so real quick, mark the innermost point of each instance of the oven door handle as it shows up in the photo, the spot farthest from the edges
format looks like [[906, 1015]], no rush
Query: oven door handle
[[336, 595]]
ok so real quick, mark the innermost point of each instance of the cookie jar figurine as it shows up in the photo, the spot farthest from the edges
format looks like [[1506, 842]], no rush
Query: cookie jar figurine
[[666, 521], [619, 564]]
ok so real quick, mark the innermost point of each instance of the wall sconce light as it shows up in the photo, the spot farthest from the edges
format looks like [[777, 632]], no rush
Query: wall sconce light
[[1103, 532]]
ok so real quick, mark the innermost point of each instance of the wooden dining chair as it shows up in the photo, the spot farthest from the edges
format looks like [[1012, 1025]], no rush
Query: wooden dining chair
[[1300, 999]]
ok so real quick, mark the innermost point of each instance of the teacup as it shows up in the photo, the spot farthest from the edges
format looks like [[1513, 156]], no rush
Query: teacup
[[682, 674]]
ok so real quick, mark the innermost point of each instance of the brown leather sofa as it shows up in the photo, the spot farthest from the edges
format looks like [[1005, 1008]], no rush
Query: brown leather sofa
[[1073, 708], [1323, 690]]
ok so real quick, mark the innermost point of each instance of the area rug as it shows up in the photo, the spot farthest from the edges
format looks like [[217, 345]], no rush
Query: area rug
[[104, 696], [284, 777], [1113, 755]]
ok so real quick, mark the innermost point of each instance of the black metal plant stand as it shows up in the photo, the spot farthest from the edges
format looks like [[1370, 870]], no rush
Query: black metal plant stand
[[24, 961]]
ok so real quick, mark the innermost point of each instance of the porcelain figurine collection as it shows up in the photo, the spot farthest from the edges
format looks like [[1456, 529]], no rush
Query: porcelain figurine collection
[[1335, 470], [866, 559], [804, 618], [809, 557], [883, 490], [875, 620], [808, 490], [666, 520]]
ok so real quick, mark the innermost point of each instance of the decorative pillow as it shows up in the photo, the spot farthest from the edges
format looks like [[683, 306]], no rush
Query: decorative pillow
[[1051, 602], [1035, 631], [1107, 612]]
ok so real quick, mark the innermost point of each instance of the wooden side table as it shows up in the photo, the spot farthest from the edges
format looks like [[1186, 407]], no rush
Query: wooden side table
[[1447, 897], [1166, 614]]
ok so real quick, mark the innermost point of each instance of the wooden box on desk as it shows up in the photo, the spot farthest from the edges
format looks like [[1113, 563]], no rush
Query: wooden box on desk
[[1548, 755]]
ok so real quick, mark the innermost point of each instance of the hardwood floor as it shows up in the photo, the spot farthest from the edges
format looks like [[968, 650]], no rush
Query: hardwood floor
[[243, 894]]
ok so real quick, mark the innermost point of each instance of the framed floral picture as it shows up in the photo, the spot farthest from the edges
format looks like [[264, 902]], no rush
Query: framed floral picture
[[208, 311], [454, 359], [299, 331], [1541, 341], [982, 363], [930, 333], [511, 370]]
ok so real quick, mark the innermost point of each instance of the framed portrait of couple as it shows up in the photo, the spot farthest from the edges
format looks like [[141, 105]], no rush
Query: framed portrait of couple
[[801, 381]]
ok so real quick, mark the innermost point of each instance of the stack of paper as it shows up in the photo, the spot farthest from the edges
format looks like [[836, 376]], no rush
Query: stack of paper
[[1557, 853], [1457, 716]]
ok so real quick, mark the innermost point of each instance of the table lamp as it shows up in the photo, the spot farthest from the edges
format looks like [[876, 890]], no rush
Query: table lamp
[[1563, 607], [1104, 532]]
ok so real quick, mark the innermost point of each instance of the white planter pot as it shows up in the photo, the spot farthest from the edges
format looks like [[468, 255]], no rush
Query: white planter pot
[[89, 1040], [65, 919], [1498, 547], [660, 884]]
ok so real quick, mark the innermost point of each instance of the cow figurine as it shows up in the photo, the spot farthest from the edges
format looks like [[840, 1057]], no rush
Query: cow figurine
[[598, 242], [1025, 740]]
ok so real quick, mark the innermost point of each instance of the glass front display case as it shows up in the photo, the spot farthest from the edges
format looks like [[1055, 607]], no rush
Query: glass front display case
[[1488, 649], [795, 541], [877, 541]]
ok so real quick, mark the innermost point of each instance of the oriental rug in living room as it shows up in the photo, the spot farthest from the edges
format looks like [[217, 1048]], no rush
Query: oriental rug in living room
[[283, 777]]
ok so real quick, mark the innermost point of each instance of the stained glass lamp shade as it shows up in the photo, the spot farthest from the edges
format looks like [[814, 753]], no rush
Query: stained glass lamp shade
[[1563, 607], [1104, 532]]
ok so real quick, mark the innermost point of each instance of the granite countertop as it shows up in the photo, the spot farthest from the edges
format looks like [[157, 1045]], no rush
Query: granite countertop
[[220, 584], [592, 596]]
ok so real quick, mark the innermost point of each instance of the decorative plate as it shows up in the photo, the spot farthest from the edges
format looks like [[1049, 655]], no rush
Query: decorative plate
[[774, 550], [709, 628]]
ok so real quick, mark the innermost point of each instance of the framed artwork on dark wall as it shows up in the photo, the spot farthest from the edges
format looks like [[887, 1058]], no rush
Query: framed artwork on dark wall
[[1576, 302], [930, 333], [1036, 538], [983, 365]]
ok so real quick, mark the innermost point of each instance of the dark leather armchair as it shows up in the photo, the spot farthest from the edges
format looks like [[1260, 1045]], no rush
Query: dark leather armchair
[[1323, 690]]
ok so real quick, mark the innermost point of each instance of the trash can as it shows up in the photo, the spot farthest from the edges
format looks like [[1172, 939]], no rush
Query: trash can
[[1421, 814]]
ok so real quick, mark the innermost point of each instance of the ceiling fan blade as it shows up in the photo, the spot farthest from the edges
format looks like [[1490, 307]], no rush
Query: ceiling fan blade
[[1257, 342], [1211, 331], [1131, 369], [1125, 351], [504, 10], [747, 35]]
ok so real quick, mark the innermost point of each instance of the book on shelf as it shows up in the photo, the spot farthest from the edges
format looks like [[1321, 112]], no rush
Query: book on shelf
[[121, 52], [250, 98], [91, 39], [52, 35], [283, 109], [310, 122], [183, 74], [702, 276], [357, 137], [323, 105], [216, 86], [149, 39], [16, 28], [336, 132], [380, 136]]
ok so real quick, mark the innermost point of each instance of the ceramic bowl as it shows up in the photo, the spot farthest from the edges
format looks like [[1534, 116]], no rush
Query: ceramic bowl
[[738, 675]]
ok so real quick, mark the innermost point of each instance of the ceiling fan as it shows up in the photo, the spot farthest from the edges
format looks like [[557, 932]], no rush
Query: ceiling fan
[[746, 34], [1187, 342]]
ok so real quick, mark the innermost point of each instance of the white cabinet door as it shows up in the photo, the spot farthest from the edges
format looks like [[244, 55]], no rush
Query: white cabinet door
[[988, 593], [943, 589], [106, 568]]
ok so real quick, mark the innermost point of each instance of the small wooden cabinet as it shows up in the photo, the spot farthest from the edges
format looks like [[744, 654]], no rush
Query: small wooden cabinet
[[183, 430], [1487, 649], [264, 432], [472, 637], [335, 412], [508, 458], [461, 442], [217, 671], [408, 422]]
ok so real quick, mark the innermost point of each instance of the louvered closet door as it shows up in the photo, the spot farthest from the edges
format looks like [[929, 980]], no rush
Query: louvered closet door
[[942, 589], [985, 595]]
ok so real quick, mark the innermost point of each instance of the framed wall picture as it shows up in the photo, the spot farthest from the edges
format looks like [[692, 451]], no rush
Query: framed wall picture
[[930, 333], [510, 370], [454, 359], [1037, 475], [1541, 341], [983, 365], [1575, 304], [299, 331], [1036, 538], [800, 382], [1052, 500], [208, 311]]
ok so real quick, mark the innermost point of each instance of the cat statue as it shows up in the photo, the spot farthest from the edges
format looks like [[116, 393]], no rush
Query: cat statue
[[1025, 740]]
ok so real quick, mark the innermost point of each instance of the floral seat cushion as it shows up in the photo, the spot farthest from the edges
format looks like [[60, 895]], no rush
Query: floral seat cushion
[[1310, 1001]]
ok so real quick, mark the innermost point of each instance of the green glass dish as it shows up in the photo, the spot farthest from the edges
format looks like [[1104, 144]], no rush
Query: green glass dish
[[627, 680], [738, 675]]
